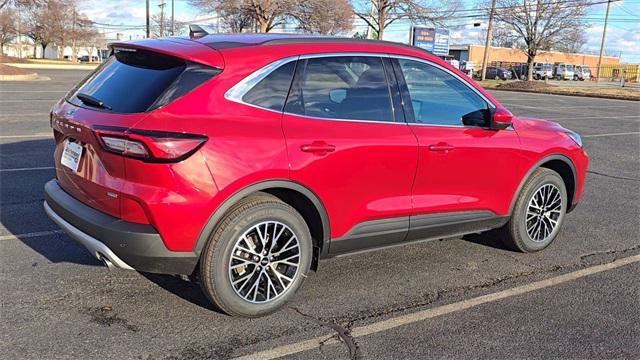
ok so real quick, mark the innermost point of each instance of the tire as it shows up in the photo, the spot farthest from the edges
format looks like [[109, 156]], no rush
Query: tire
[[521, 232], [536, 77], [260, 215], [575, 78]]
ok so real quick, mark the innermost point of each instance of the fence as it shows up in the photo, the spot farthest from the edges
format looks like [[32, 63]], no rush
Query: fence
[[615, 72]]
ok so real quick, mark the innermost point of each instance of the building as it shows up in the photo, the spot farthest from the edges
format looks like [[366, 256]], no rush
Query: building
[[475, 53]]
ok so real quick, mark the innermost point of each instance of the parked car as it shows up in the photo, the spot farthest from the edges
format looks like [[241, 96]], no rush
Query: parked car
[[582, 72], [244, 159], [563, 71], [520, 71], [86, 58], [498, 73], [542, 71]]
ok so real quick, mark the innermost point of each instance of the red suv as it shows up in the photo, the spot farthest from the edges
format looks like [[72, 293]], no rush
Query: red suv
[[244, 159]]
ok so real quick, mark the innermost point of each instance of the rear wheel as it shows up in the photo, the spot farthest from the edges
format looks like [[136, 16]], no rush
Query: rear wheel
[[257, 257], [538, 213]]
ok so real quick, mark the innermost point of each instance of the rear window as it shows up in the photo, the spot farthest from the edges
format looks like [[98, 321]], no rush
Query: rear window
[[134, 81]]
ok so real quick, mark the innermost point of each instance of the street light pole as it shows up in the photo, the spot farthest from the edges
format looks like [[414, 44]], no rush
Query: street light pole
[[487, 43], [172, 22], [604, 34], [148, 32]]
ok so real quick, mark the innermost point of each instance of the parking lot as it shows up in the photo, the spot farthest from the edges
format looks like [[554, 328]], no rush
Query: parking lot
[[442, 299]]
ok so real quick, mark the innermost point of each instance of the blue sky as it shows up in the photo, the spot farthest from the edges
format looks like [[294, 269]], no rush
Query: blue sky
[[623, 36]]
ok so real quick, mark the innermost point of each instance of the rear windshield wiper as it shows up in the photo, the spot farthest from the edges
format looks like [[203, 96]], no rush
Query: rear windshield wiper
[[91, 101]]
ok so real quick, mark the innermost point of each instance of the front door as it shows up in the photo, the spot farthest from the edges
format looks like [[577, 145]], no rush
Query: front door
[[345, 144], [466, 171]]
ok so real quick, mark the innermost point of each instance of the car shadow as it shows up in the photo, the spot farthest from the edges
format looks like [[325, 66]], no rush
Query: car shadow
[[491, 238], [21, 198], [186, 290]]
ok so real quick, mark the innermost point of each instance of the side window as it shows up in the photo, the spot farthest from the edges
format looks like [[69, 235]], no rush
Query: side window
[[439, 98], [271, 92], [341, 87]]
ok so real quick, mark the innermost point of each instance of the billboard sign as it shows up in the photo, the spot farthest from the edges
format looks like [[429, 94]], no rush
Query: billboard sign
[[436, 41]]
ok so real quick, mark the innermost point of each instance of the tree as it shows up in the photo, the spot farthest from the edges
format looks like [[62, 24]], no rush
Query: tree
[[155, 26], [327, 17], [7, 27], [541, 24], [267, 14], [379, 14], [573, 42]]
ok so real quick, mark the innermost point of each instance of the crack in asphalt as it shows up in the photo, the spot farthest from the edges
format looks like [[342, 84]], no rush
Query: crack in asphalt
[[612, 176], [342, 332], [583, 258]]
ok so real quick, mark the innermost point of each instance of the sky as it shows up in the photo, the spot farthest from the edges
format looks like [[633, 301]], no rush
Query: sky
[[623, 31]]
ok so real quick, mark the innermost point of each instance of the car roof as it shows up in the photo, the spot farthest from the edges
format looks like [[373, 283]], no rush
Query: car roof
[[225, 41]]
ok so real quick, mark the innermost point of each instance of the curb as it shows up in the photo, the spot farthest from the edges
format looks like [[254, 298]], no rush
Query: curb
[[601, 96], [52, 66], [26, 77]]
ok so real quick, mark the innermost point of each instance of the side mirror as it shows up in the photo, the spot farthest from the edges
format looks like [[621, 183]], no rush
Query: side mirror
[[501, 118]]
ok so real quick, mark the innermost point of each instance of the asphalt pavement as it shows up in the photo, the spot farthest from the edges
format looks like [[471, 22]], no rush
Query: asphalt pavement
[[56, 301]]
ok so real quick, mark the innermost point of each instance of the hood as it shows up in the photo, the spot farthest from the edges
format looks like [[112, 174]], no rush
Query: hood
[[538, 124]]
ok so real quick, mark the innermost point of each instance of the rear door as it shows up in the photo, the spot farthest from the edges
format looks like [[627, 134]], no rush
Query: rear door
[[350, 145]]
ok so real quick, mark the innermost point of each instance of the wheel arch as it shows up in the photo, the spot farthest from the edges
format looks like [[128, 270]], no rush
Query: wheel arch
[[558, 163], [301, 198]]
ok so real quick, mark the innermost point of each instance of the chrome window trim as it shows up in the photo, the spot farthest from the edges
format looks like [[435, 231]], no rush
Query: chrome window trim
[[237, 92]]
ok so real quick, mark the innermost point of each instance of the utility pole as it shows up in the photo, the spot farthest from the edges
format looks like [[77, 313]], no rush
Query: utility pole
[[604, 34], [74, 50], [162, 18], [172, 13], [20, 36], [148, 32], [487, 43]]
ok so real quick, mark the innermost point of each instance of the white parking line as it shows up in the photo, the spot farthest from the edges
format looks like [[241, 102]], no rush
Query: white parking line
[[41, 135], [402, 320], [28, 169], [611, 134], [29, 235]]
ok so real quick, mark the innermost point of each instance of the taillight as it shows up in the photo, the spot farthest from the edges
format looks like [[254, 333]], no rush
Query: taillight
[[148, 145]]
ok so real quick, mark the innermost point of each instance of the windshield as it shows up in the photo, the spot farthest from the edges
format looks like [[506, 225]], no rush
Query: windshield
[[570, 67]]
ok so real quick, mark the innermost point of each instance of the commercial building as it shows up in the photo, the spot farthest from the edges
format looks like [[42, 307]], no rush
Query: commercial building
[[474, 53]]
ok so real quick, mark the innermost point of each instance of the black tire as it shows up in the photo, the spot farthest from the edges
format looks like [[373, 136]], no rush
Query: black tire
[[514, 233], [575, 78], [215, 278]]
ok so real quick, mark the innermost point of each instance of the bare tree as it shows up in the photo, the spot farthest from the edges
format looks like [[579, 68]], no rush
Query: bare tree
[[19, 3], [573, 42], [267, 14], [7, 27], [156, 21], [379, 14], [541, 24], [327, 17]]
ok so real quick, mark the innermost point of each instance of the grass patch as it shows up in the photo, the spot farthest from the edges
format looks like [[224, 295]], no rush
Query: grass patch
[[625, 93]]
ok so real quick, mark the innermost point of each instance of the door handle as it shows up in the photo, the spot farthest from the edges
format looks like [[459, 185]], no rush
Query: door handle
[[318, 148], [441, 147]]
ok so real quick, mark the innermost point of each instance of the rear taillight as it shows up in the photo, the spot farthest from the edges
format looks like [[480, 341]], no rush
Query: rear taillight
[[148, 145]]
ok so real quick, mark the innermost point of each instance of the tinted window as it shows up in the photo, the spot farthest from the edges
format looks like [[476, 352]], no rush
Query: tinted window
[[271, 92], [345, 87], [439, 98], [133, 81]]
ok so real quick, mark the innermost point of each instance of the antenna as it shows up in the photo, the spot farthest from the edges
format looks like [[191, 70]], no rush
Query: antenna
[[196, 31]]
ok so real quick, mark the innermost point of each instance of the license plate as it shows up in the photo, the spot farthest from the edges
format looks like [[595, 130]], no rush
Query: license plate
[[71, 155]]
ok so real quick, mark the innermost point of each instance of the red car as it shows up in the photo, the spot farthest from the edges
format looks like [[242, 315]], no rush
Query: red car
[[244, 159]]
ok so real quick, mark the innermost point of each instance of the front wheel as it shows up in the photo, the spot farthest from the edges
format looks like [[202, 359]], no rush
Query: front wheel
[[257, 257], [538, 213]]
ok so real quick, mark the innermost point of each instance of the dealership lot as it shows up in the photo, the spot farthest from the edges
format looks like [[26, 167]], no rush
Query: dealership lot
[[57, 301]]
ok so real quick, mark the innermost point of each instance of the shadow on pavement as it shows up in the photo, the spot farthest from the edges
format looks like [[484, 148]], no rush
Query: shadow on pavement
[[489, 238]]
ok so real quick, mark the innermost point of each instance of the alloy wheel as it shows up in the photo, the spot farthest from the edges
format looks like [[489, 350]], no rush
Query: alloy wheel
[[264, 262], [543, 212]]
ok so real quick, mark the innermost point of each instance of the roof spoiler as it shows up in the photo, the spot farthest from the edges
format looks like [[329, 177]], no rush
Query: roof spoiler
[[195, 31]]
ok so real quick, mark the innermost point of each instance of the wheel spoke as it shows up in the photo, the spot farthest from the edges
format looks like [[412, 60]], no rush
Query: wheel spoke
[[543, 212]]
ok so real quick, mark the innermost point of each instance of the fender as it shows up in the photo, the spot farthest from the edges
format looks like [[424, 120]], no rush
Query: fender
[[264, 185], [536, 166]]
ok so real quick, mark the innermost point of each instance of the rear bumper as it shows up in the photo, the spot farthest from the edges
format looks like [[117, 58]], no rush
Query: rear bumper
[[122, 244]]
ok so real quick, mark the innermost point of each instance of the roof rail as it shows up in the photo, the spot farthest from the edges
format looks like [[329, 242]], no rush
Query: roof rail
[[195, 31]]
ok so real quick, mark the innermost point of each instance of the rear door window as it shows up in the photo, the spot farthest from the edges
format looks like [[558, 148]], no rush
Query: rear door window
[[134, 81], [341, 87]]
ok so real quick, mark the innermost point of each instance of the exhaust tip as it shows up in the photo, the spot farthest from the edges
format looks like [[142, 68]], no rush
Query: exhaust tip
[[105, 260]]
